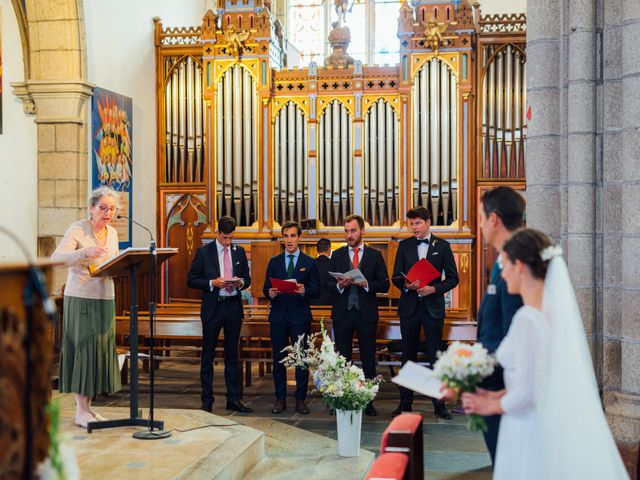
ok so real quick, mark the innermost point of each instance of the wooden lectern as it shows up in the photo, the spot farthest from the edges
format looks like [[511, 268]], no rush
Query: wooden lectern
[[23, 423], [132, 262]]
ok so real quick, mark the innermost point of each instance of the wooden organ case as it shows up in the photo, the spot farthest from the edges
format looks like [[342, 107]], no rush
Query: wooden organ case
[[240, 134]]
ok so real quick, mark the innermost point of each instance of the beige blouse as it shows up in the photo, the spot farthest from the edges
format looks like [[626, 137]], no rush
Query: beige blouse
[[70, 251]]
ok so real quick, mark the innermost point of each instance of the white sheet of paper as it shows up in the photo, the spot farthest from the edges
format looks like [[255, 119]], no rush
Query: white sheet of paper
[[356, 274], [419, 379]]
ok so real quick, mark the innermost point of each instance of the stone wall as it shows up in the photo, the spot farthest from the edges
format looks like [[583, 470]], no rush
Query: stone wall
[[583, 179]]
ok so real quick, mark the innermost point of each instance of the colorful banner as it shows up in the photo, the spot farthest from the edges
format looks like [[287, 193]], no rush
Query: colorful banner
[[112, 154]]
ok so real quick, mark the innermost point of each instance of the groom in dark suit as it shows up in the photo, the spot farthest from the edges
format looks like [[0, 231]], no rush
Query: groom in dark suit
[[221, 271], [422, 307], [290, 314], [500, 215], [355, 306]]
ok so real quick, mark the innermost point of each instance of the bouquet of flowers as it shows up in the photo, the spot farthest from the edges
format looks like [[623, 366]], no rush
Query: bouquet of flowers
[[462, 367], [342, 385]]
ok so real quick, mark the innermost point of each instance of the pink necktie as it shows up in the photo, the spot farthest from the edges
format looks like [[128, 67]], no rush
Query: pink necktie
[[228, 272]]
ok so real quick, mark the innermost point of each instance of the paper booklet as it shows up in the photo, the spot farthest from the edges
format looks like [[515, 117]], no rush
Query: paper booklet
[[419, 379], [422, 270], [356, 274], [285, 286]]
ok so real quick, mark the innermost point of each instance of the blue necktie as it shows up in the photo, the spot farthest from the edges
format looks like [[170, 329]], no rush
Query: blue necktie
[[495, 273]]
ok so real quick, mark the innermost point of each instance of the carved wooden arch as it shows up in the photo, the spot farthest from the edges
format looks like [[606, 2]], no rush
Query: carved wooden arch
[[184, 224]]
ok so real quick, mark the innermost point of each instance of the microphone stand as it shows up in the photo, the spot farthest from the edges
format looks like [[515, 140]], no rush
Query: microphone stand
[[151, 434]]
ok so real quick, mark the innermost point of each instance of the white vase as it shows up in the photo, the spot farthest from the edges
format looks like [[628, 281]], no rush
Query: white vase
[[349, 427]]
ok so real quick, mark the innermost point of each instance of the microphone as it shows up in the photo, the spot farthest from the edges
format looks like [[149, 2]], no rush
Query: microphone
[[37, 278], [152, 243]]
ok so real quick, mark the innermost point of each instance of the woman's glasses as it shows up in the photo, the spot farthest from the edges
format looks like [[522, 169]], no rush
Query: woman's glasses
[[105, 209]]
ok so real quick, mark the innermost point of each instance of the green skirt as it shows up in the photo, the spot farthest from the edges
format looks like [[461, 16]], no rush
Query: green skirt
[[88, 361]]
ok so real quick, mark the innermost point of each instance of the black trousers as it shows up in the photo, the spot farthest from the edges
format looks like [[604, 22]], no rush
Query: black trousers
[[494, 382], [281, 335], [410, 329], [228, 316], [343, 331]]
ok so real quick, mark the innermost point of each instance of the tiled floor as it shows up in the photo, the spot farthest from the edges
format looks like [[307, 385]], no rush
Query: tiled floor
[[450, 451]]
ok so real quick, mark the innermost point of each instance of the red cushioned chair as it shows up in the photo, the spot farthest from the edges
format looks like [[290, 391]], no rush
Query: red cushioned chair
[[389, 466], [404, 435]]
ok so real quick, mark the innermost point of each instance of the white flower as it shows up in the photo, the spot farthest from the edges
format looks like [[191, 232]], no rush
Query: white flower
[[551, 252]]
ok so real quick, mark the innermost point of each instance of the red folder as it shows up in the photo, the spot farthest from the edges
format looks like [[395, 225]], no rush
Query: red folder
[[423, 271], [284, 286]]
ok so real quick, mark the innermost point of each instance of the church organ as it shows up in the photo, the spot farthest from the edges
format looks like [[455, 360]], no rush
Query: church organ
[[241, 134]]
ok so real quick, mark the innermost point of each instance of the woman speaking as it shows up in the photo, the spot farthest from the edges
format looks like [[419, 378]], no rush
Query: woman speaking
[[88, 362]]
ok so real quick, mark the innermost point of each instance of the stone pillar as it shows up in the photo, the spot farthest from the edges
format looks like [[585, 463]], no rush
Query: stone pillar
[[57, 92], [622, 396], [583, 179]]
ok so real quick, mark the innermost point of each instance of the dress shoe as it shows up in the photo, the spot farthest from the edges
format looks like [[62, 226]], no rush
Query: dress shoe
[[237, 406], [442, 411], [401, 409], [207, 407], [370, 410], [280, 406], [301, 407]]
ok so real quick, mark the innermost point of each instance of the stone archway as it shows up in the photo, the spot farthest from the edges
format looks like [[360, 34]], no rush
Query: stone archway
[[55, 90]]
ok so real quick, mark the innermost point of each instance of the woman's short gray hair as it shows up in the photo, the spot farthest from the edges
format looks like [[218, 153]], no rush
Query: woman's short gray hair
[[100, 192]]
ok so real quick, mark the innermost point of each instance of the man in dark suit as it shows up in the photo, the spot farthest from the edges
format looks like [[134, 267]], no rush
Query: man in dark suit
[[322, 262], [422, 307], [500, 215], [221, 271], [355, 306], [290, 314]]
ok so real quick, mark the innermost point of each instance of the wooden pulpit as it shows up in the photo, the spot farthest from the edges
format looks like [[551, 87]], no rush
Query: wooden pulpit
[[132, 262], [23, 424]]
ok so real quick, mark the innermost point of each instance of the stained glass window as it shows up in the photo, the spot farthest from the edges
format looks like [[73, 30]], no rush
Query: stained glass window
[[307, 19], [373, 25]]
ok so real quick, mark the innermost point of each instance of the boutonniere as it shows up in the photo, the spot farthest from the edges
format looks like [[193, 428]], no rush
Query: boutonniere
[[303, 269], [433, 243], [233, 247]]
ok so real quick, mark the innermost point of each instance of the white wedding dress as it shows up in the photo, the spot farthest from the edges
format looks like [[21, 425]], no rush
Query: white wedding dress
[[521, 354], [553, 427]]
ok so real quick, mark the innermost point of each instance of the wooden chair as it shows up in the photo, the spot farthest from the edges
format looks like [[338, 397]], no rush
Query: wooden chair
[[404, 436], [389, 466]]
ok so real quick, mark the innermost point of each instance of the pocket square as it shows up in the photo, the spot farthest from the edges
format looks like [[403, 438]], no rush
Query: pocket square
[[303, 269]]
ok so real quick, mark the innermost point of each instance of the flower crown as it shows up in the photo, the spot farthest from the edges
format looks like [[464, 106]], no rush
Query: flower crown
[[551, 252]]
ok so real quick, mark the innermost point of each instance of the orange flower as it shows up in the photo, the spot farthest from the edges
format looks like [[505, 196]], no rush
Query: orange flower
[[463, 352]]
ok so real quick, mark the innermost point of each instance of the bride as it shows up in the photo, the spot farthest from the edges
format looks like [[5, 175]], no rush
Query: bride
[[553, 426]]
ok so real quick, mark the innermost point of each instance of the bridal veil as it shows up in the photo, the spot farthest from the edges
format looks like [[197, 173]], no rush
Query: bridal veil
[[575, 438]]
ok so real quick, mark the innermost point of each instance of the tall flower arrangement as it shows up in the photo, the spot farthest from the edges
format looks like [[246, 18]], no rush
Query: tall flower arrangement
[[342, 385], [462, 367]]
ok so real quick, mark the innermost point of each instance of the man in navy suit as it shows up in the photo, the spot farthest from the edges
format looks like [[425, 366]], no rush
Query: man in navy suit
[[355, 306], [322, 262], [290, 314], [221, 271], [422, 307], [500, 215]]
